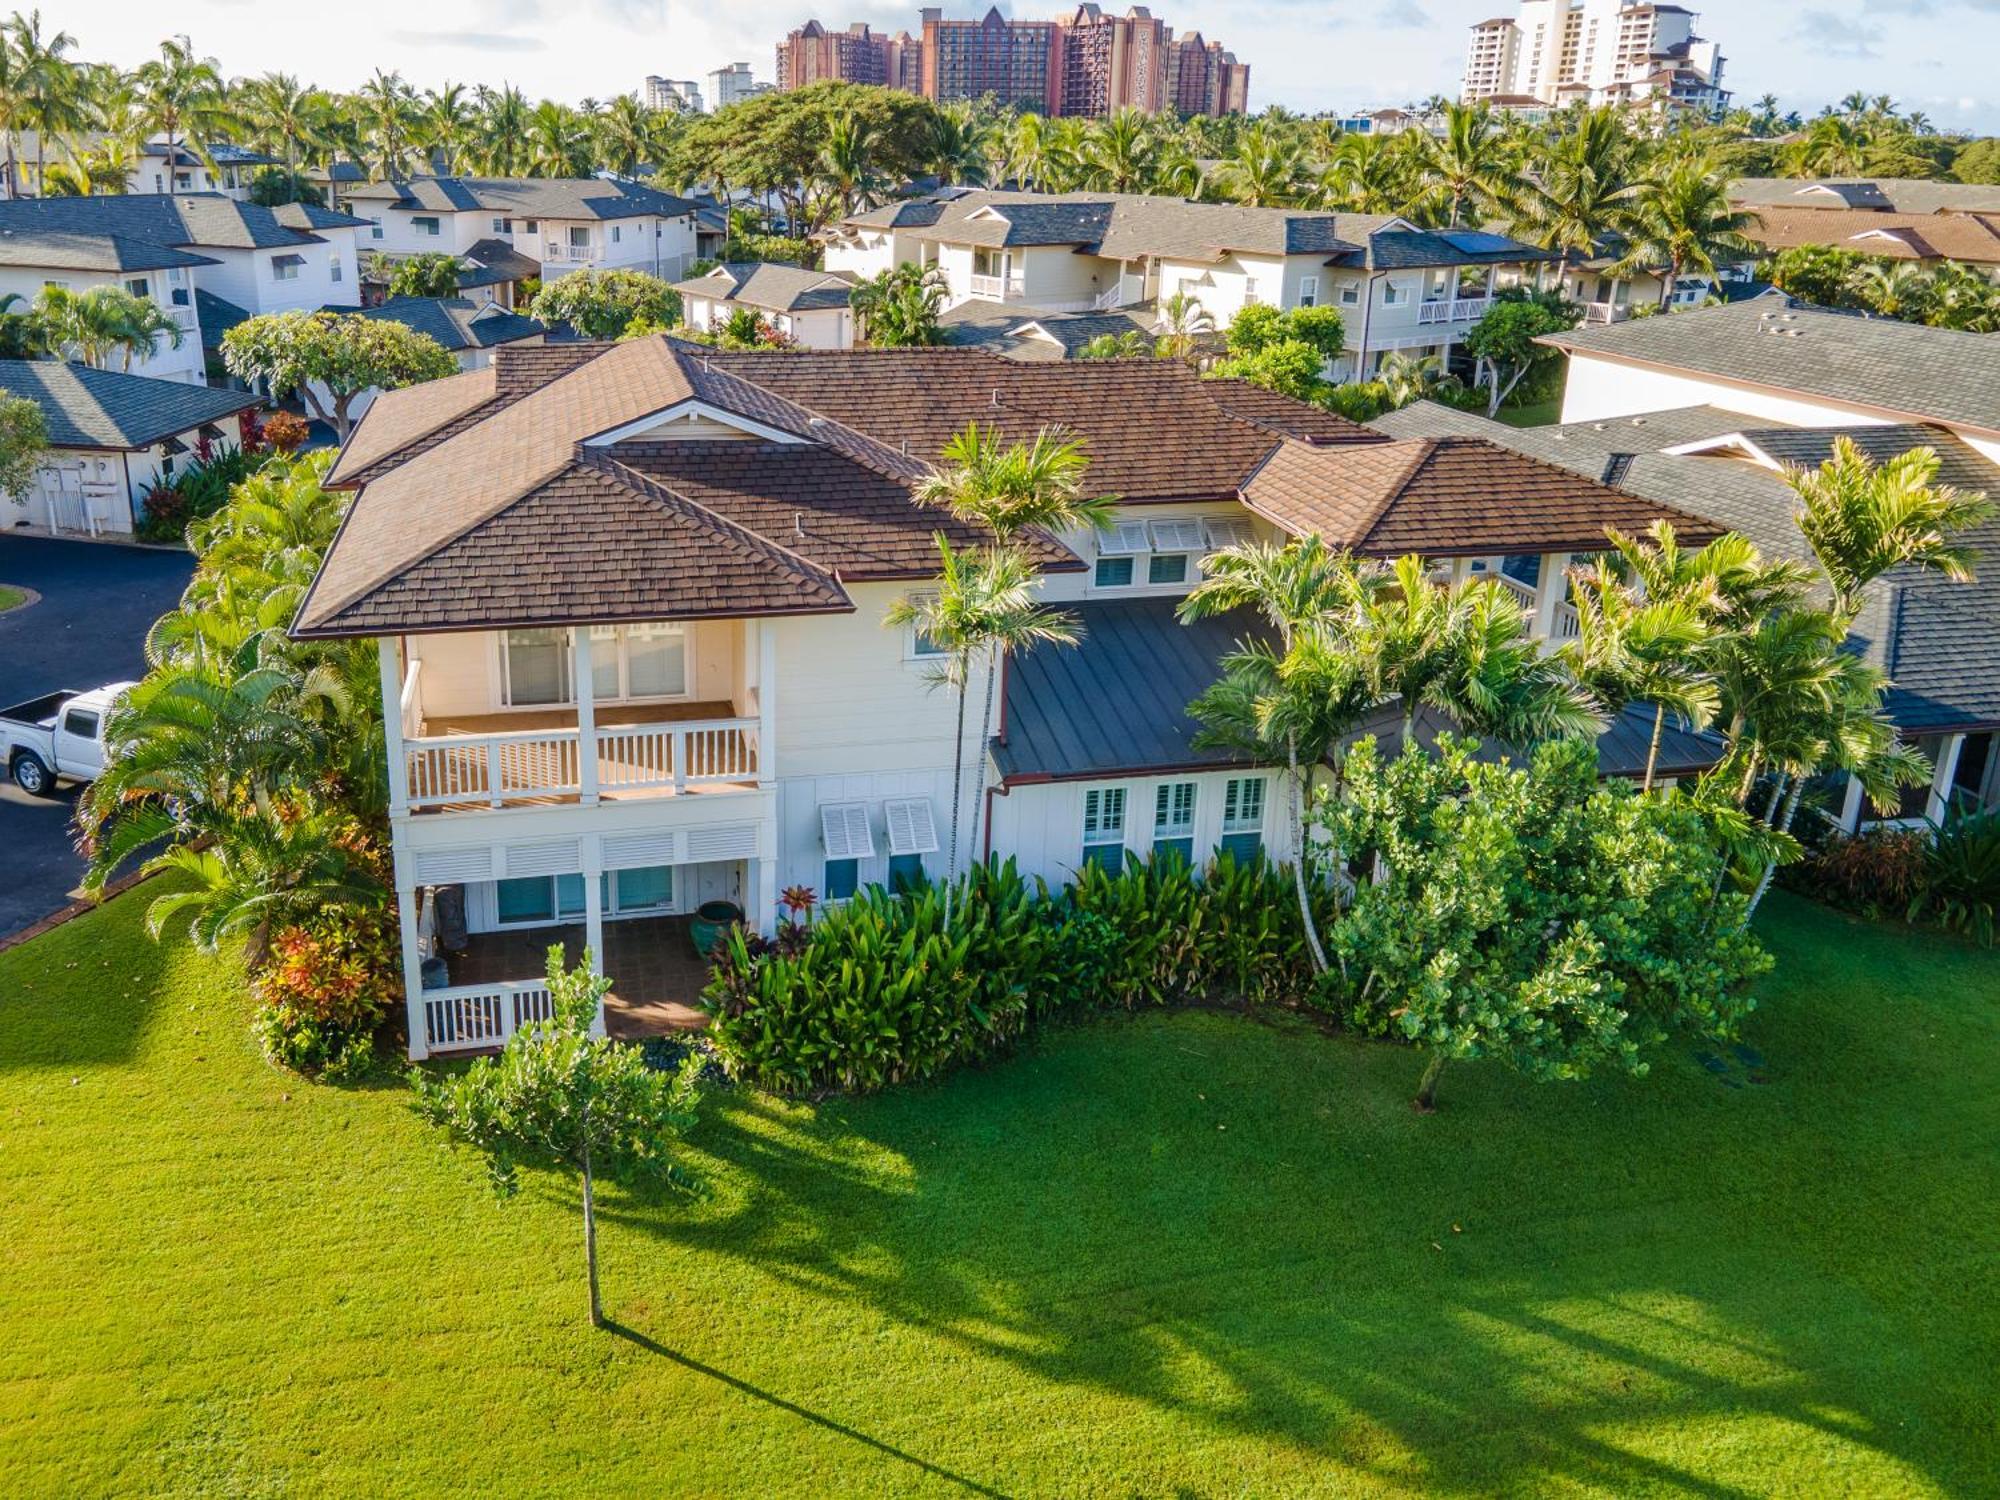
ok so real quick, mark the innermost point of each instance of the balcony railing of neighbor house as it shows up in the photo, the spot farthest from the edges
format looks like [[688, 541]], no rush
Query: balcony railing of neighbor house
[[1454, 310], [539, 764], [998, 288], [1606, 312], [571, 255]]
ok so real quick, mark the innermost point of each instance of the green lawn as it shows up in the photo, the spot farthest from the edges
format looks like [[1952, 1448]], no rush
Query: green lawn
[[1534, 414], [11, 597], [1184, 1254]]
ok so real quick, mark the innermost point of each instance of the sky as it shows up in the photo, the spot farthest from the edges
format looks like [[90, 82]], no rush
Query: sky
[[1932, 55]]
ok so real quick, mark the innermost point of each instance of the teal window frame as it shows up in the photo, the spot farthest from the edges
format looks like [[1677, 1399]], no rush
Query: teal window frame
[[1107, 570], [841, 879]]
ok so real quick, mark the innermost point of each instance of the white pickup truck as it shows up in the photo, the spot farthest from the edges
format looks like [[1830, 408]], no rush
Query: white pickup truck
[[57, 737]]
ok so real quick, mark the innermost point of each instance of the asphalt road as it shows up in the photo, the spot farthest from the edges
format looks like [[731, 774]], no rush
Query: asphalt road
[[98, 601]]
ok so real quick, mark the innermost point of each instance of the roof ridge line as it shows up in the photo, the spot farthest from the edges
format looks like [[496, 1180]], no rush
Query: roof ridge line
[[1427, 447]]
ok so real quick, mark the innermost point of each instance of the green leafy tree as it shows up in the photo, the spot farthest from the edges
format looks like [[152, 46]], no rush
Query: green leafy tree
[[561, 1098], [1505, 340], [1632, 651], [1682, 221], [1821, 274], [1131, 344], [1533, 914], [24, 441], [600, 304], [1978, 162], [430, 273], [329, 358], [1288, 366]]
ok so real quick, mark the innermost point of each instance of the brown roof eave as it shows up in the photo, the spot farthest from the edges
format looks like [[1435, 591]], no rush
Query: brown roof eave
[[331, 632]]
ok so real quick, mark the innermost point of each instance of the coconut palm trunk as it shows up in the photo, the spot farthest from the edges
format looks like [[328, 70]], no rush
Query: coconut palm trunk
[[1653, 750], [1313, 944], [1771, 865]]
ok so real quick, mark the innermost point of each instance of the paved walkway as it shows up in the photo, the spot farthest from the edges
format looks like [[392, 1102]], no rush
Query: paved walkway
[[89, 628]]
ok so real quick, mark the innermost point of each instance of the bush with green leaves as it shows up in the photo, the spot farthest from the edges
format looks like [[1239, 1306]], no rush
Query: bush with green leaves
[[1961, 876], [602, 304], [429, 273], [885, 989], [199, 490], [1532, 913]]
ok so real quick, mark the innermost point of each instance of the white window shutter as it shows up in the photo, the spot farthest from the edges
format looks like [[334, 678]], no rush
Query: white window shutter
[[1227, 532], [1124, 539], [912, 828], [1182, 534], [843, 828]]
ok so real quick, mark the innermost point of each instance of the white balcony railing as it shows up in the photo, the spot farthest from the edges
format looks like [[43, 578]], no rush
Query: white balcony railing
[[571, 255], [538, 764], [1525, 592], [998, 288], [469, 1016], [1606, 312], [1567, 627], [1454, 310]]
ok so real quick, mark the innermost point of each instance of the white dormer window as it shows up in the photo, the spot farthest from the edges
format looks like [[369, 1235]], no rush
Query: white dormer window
[[1118, 552], [1226, 531]]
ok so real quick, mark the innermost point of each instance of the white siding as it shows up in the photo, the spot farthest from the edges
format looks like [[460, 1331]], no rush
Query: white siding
[[167, 363], [1041, 825], [1602, 388]]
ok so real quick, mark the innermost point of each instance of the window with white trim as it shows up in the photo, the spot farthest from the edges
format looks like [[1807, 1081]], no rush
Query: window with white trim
[[579, 237], [139, 286], [1175, 544], [426, 225], [912, 829], [848, 839], [1227, 531], [534, 666], [1173, 819], [1249, 291], [531, 900], [375, 226], [286, 267], [1104, 827], [917, 644], [1243, 818], [1395, 293], [1308, 291], [333, 267], [1350, 294], [1117, 552], [617, 233], [531, 226], [502, 226]]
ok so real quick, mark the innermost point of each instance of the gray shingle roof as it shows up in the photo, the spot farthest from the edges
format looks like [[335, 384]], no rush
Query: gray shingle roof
[[176, 219], [216, 315], [527, 197], [1868, 364], [995, 327], [1904, 195], [62, 250], [772, 285], [458, 323], [1130, 225], [1939, 641], [86, 408]]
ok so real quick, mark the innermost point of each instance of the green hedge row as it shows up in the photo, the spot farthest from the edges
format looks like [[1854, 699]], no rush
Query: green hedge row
[[879, 991]]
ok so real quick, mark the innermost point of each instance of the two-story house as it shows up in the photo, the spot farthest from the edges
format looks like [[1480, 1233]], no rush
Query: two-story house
[[561, 224], [216, 255], [811, 308], [1398, 286], [226, 169], [630, 601]]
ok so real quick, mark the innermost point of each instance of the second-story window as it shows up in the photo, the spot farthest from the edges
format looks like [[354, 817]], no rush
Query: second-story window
[[333, 268], [638, 661], [1308, 291], [501, 226], [286, 267], [535, 664], [579, 237], [1350, 294], [426, 225], [1395, 293], [139, 286]]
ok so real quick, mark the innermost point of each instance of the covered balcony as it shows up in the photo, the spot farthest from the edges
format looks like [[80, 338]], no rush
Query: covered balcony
[[552, 716]]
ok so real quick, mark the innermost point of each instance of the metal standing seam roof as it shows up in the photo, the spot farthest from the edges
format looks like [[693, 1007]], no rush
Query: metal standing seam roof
[[107, 409]]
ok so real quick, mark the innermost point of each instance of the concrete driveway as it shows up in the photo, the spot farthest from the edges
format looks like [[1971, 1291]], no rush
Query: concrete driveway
[[98, 601]]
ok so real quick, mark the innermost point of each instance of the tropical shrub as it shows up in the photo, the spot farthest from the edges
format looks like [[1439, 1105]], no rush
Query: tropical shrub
[[1876, 872], [201, 489], [1358, 401], [286, 431], [887, 989], [1961, 876]]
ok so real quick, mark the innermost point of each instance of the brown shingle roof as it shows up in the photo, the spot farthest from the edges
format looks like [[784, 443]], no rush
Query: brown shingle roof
[[819, 504], [1447, 497], [1974, 238], [420, 504], [585, 546], [395, 419]]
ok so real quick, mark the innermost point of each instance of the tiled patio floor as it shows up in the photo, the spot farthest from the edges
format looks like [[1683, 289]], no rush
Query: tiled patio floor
[[655, 974]]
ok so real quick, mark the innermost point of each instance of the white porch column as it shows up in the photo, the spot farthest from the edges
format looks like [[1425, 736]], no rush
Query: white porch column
[[593, 916], [766, 878], [407, 914], [586, 715], [1947, 769], [767, 705], [1851, 809], [390, 661], [1551, 591]]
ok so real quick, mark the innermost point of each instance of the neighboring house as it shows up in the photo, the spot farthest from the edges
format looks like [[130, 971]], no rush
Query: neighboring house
[[1891, 195], [1029, 333], [1399, 287], [809, 307], [470, 330], [562, 224], [32, 259], [245, 258], [630, 605], [228, 169], [1703, 411], [336, 180], [1971, 239], [111, 437]]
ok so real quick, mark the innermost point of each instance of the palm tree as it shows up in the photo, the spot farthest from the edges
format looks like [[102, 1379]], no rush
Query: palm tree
[[89, 327], [1628, 651], [847, 162], [444, 125], [1861, 519], [1583, 190], [1682, 219], [1408, 378], [287, 116], [53, 100], [386, 106], [625, 134], [501, 132], [983, 607], [952, 146], [1368, 174], [1266, 171], [1466, 167], [181, 97], [558, 141], [1309, 597], [1183, 326], [1118, 154]]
